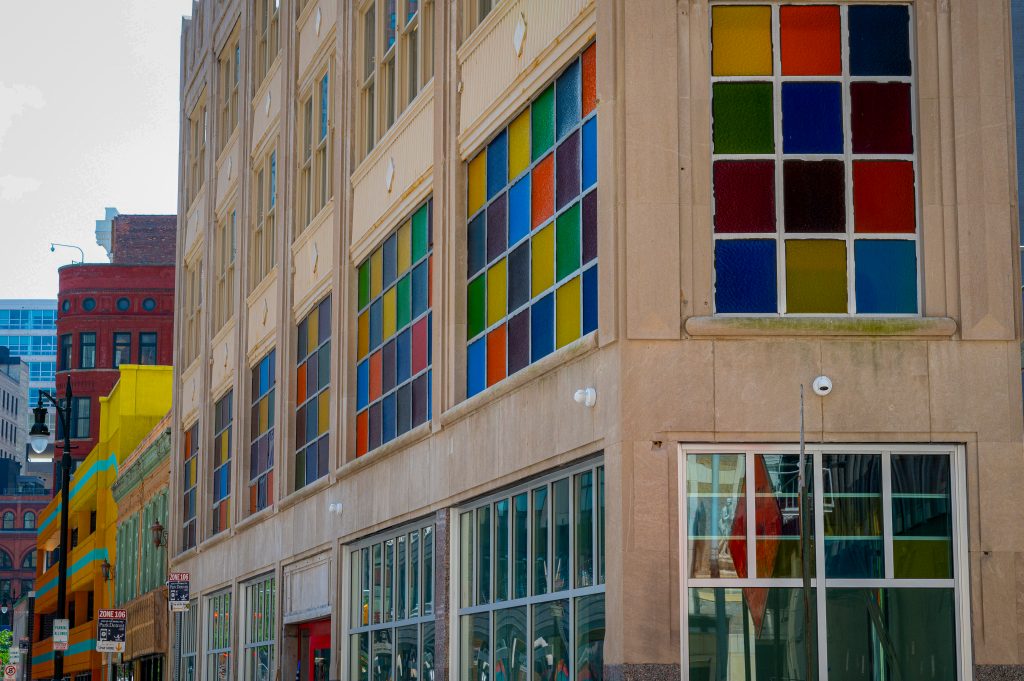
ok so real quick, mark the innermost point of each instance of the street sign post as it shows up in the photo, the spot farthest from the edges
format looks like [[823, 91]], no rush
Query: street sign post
[[61, 631], [112, 632], [177, 591], [10, 672]]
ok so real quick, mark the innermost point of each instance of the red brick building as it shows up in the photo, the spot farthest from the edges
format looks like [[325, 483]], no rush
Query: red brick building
[[21, 500], [108, 314]]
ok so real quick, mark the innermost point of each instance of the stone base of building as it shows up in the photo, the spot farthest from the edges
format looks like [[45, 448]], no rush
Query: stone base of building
[[999, 672], [646, 672]]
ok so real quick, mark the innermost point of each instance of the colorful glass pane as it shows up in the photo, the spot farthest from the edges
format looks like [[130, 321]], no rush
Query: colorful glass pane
[[311, 414]]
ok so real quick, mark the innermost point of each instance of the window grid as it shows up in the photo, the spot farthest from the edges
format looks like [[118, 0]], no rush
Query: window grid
[[28, 319], [229, 71], [222, 448], [193, 309], [80, 417], [392, 601], [65, 352], [888, 282], [224, 259], [196, 152], [534, 552], [896, 491], [190, 456], [259, 628], [87, 350], [218, 636], [147, 348], [267, 17], [264, 255], [532, 231], [188, 642], [261, 433], [313, 395], [30, 345], [393, 371]]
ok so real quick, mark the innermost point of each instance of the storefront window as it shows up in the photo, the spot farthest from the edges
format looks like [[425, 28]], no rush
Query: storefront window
[[218, 636], [530, 596], [185, 669], [392, 617], [259, 628], [882, 601]]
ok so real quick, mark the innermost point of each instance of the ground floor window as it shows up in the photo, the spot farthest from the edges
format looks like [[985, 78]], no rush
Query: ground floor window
[[531, 580], [391, 592], [260, 601], [884, 548], [188, 643], [218, 636]]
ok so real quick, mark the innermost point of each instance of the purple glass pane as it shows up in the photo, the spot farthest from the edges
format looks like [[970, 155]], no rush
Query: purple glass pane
[[567, 171]]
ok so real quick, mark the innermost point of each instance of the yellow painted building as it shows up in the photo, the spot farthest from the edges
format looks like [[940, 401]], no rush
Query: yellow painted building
[[141, 397]]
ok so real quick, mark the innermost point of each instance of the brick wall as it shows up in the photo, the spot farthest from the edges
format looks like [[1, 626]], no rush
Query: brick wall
[[143, 239]]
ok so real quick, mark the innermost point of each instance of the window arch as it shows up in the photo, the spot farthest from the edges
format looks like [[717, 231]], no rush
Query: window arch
[[30, 520], [29, 561], [8, 520], [5, 560]]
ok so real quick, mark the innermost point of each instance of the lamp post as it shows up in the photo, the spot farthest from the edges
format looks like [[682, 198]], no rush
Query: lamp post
[[39, 438]]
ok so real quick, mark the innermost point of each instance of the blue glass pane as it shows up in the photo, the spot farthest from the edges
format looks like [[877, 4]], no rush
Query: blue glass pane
[[362, 384], [324, 107], [420, 289], [497, 164], [518, 210], [264, 376], [568, 100], [375, 323], [476, 245], [886, 276], [403, 356], [542, 327], [745, 276], [389, 423], [879, 40], [812, 118], [589, 153], [590, 299], [476, 367]]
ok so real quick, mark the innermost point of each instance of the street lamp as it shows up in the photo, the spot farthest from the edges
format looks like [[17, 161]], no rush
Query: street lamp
[[39, 438]]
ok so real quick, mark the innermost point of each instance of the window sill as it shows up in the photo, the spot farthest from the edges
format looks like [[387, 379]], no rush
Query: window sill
[[254, 518], [309, 490], [564, 355], [218, 538], [920, 327], [420, 432], [423, 99]]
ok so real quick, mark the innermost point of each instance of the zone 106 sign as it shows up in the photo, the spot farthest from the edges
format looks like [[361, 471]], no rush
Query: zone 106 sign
[[113, 631], [178, 591]]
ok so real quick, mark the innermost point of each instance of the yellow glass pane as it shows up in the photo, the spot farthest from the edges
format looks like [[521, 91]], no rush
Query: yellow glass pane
[[388, 321], [404, 247], [264, 414], [376, 272], [496, 300], [364, 334], [816, 276], [323, 412], [477, 182], [567, 312], [741, 41], [519, 144], [225, 452], [543, 265], [313, 330]]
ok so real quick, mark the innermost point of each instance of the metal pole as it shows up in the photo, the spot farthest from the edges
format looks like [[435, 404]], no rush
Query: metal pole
[[30, 627], [65, 480], [805, 554]]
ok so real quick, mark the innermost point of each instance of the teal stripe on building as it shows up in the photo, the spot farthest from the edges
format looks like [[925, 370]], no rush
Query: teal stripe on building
[[94, 555], [102, 465], [85, 646]]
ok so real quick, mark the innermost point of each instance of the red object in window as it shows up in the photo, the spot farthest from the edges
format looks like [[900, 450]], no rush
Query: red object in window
[[744, 196], [883, 197], [589, 79], [496, 355], [542, 191], [375, 375], [419, 347], [362, 432]]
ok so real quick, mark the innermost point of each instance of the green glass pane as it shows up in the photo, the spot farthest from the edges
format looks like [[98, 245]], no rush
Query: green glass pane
[[816, 276], [750, 634], [742, 118], [590, 637], [476, 306], [511, 653], [715, 490], [520, 544], [420, 238], [364, 284], [466, 558], [891, 634], [921, 517], [567, 242], [542, 122], [778, 515], [403, 301], [561, 518]]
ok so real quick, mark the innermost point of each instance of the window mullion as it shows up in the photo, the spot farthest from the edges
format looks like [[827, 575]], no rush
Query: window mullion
[[819, 564], [887, 545]]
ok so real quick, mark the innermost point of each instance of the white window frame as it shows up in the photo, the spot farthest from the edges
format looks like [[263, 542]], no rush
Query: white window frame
[[209, 652], [960, 583], [263, 254], [229, 77], [849, 236], [570, 594]]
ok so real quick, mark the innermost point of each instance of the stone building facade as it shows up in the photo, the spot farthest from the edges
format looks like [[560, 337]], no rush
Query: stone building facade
[[493, 321]]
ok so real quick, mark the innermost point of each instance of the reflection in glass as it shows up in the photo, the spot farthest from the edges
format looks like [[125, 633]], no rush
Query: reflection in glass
[[475, 648], [428, 570], [520, 544], [905, 634], [414, 573], [400, 579], [501, 550], [466, 562], [359, 657], [852, 504], [748, 634], [376, 584], [584, 510], [777, 513], [922, 542], [483, 558], [406, 657], [428, 652], [600, 525], [389, 580], [382, 652], [551, 641], [540, 541], [561, 520], [590, 638], [511, 661], [716, 526]]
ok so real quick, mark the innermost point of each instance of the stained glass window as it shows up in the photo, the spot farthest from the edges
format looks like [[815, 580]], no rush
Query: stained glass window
[[222, 443], [814, 171], [313, 395], [190, 456], [261, 433], [532, 231], [394, 324]]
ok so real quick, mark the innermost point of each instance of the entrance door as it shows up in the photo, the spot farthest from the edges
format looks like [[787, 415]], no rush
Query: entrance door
[[314, 651]]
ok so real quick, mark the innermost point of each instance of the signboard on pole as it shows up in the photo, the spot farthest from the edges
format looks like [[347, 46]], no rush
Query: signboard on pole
[[14, 656], [177, 591], [113, 631], [10, 672], [61, 631]]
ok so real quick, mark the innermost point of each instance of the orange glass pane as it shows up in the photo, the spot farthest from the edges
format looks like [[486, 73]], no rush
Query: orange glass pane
[[253, 490], [810, 40], [375, 375], [300, 384], [589, 79], [496, 355], [542, 189]]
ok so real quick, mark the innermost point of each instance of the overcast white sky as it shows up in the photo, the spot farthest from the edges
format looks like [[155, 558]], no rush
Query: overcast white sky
[[88, 119]]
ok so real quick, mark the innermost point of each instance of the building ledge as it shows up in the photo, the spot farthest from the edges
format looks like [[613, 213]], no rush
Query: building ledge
[[920, 327]]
